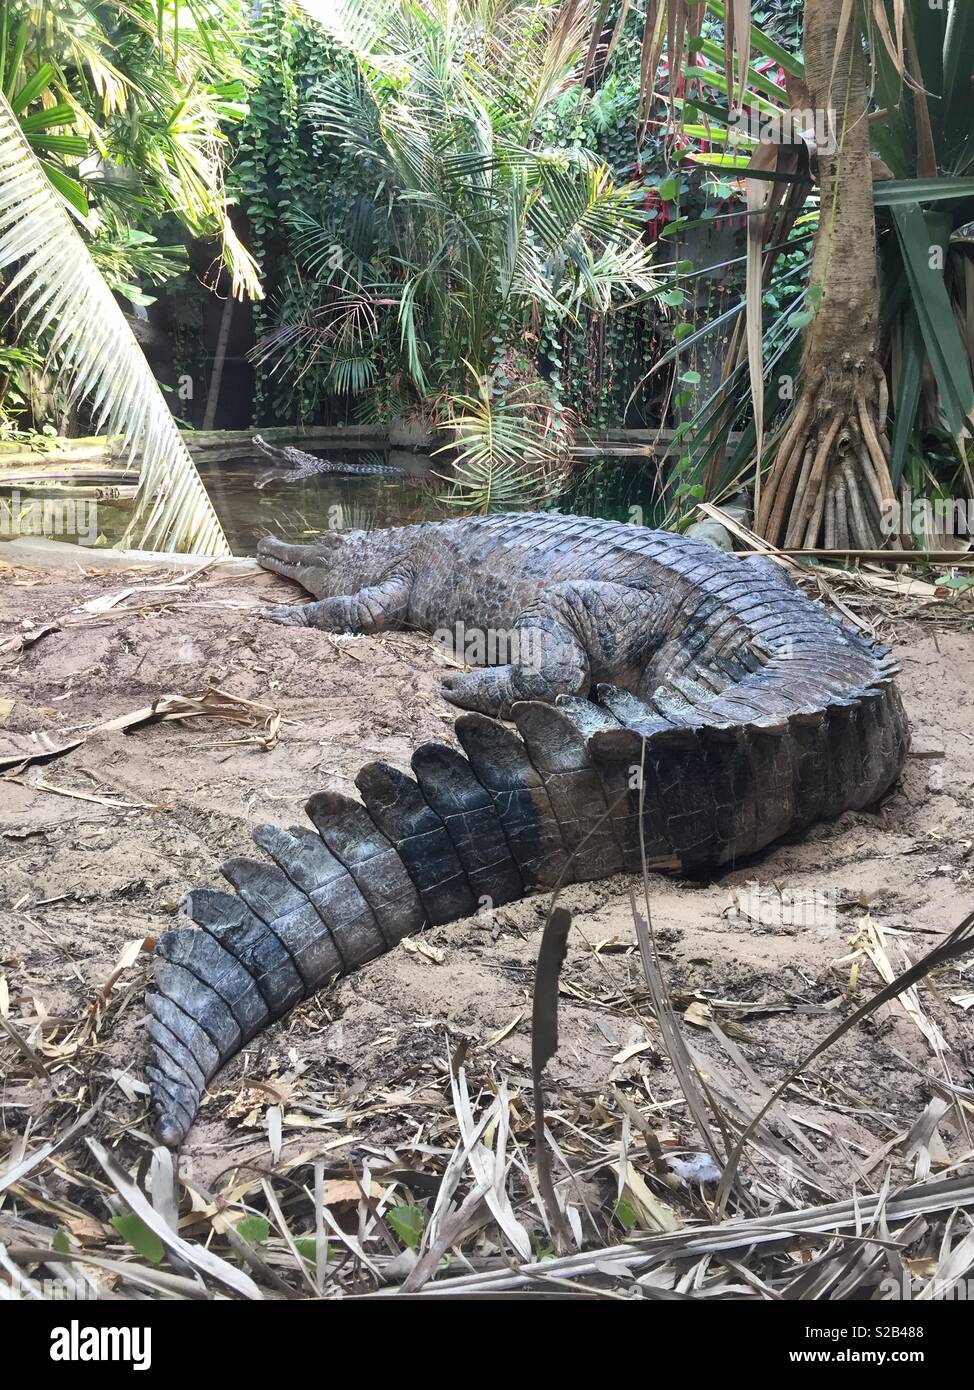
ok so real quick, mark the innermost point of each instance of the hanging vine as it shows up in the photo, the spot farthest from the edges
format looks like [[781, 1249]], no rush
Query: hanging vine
[[288, 179]]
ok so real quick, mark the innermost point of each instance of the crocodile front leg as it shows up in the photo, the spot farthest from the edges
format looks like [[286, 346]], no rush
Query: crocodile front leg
[[375, 609]]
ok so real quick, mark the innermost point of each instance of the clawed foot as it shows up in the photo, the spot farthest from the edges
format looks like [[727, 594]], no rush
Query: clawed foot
[[480, 691], [292, 614]]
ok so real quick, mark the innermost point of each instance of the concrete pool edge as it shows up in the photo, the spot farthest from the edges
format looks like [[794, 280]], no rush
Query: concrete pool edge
[[41, 553]]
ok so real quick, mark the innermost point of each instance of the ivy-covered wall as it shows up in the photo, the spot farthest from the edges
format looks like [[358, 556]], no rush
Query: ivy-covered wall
[[284, 170]]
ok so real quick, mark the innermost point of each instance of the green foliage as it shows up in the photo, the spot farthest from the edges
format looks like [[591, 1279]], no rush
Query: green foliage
[[471, 240], [500, 451], [136, 1233], [130, 259], [16, 365], [780, 20], [65, 302], [253, 1229], [408, 1222], [306, 194], [482, 231], [926, 253], [692, 214], [625, 1213], [297, 189], [925, 262], [125, 105]]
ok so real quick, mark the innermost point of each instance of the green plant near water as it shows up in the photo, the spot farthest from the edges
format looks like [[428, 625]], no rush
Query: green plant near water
[[476, 239], [305, 195], [112, 122], [922, 201], [125, 106], [64, 302]]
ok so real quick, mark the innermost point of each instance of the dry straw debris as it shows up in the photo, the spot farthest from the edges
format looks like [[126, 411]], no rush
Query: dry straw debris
[[487, 1194]]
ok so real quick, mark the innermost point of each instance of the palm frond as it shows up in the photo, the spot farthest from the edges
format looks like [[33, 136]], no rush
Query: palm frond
[[502, 454], [67, 305]]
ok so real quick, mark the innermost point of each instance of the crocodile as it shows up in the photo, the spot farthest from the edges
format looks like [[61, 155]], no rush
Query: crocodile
[[294, 464], [677, 709]]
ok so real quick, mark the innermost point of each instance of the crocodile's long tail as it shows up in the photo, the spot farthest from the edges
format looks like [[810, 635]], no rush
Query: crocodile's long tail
[[580, 791]]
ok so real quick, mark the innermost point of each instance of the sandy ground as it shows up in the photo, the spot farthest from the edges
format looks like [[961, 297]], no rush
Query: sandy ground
[[359, 1063]]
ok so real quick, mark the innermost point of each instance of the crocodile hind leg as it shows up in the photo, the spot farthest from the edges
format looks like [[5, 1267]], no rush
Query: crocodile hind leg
[[548, 661], [562, 646]]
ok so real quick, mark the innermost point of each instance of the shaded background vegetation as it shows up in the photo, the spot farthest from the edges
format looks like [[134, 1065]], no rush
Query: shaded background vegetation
[[549, 245]]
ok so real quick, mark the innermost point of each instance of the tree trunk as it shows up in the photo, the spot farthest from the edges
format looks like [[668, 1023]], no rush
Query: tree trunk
[[830, 484], [219, 357]]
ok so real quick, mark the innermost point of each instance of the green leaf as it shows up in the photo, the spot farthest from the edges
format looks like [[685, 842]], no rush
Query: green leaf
[[60, 1241], [906, 192], [801, 319], [69, 189], [945, 350], [70, 146], [48, 119], [253, 1229], [625, 1213], [136, 1233], [408, 1222], [668, 189], [690, 378], [32, 89], [307, 1248], [682, 330]]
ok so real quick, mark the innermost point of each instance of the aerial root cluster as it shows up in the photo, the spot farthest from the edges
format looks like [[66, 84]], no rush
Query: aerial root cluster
[[830, 484]]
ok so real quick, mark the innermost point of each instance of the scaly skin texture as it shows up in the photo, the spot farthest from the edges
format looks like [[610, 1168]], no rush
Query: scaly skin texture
[[728, 710], [294, 464]]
